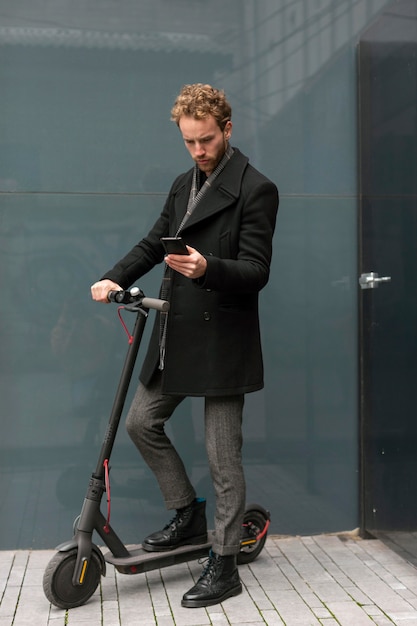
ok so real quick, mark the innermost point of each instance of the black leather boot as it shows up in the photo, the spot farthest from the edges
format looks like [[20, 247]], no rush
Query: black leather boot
[[219, 581], [189, 526]]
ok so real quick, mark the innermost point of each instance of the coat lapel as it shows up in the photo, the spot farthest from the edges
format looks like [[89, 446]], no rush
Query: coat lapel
[[225, 191]]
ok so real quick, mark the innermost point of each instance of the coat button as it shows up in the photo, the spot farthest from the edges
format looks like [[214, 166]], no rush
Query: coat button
[[207, 316]]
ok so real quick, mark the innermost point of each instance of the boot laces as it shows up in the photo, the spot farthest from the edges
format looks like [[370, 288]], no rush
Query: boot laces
[[209, 567], [177, 519], [174, 522]]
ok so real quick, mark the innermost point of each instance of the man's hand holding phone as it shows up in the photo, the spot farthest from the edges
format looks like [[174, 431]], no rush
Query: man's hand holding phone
[[184, 259], [174, 245]]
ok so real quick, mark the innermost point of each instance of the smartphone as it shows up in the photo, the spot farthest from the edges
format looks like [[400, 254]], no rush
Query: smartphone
[[174, 245]]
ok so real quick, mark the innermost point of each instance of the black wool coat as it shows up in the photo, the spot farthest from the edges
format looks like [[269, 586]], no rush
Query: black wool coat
[[213, 345]]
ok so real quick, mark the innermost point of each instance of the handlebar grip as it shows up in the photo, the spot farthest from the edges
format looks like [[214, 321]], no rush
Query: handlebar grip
[[135, 295], [154, 303], [116, 296]]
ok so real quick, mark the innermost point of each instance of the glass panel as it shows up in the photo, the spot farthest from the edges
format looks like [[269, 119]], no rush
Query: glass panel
[[87, 153], [310, 346], [388, 105], [62, 355]]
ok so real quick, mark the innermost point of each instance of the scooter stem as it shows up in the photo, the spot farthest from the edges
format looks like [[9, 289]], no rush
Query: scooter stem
[[120, 398]]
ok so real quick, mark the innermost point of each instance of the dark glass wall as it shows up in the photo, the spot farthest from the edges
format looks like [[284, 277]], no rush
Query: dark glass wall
[[87, 154], [388, 134]]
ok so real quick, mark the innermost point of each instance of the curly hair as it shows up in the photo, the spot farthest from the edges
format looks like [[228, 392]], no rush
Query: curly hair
[[200, 101]]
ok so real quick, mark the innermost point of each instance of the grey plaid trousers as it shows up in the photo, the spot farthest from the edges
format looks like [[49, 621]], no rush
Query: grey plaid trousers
[[145, 424]]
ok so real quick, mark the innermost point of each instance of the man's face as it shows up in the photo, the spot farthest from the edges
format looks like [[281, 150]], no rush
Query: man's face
[[205, 141]]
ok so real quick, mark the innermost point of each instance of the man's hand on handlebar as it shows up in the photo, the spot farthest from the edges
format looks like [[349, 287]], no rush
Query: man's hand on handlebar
[[100, 290]]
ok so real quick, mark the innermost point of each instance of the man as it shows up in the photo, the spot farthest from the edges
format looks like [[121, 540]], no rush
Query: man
[[209, 343]]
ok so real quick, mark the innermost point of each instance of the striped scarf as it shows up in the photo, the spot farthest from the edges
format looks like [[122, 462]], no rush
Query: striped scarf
[[195, 197]]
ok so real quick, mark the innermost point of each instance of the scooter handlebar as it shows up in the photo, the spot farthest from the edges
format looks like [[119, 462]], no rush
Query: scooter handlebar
[[155, 303], [136, 296]]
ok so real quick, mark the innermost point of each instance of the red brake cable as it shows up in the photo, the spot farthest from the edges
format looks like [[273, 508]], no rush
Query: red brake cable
[[119, 309], [106, 462]]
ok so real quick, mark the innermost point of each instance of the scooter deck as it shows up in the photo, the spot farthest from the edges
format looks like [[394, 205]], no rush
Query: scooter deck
[[141, 561]]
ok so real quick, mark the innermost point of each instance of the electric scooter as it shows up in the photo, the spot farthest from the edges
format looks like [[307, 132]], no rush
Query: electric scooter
[[74, 572]]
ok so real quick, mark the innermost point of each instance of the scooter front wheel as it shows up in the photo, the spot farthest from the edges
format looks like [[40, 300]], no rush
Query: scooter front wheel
[[57, 580]]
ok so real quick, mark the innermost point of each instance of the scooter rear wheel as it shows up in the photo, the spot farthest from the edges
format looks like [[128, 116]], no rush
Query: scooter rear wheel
[[254, 522], [57, 580]]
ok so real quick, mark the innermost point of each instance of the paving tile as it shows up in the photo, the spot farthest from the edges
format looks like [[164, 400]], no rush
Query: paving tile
[[296, 581], [272, 618], [349, 614], [402, 616], [292, 609], [9, 602], [217, 616]]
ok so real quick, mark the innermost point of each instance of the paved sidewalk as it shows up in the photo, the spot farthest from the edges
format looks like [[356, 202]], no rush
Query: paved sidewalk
[[296, 581]]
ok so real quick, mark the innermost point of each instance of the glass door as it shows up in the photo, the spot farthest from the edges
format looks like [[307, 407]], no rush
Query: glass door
[[387, 61]]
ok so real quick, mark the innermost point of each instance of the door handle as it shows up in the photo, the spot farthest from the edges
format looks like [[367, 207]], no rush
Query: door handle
[[372, 280]]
